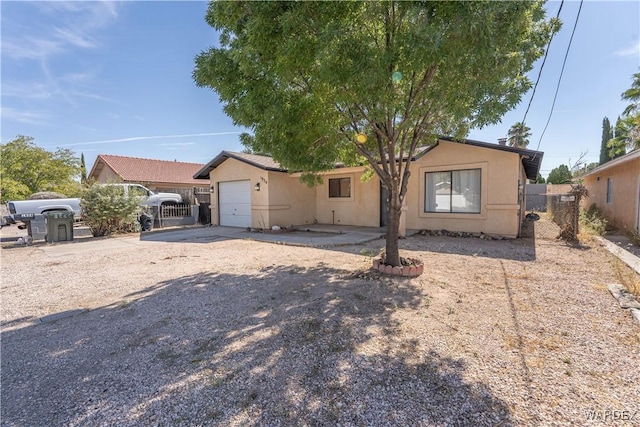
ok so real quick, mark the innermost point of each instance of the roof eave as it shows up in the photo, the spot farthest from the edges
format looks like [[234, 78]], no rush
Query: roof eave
[[612, 163], [224, 155]]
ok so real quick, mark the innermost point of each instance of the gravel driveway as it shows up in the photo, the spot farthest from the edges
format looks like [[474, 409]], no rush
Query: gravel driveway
[[235, 332]]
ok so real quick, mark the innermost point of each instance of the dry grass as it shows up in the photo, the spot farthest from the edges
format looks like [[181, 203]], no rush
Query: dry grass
[[627, 277]]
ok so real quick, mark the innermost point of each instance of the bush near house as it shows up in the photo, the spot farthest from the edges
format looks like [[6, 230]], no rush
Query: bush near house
[[106, 210], [593, 219]]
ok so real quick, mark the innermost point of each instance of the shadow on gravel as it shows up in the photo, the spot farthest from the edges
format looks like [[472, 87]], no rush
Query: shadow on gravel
[[288, 346], [521, 249]]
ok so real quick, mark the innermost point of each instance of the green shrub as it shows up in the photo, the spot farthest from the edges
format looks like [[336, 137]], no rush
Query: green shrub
[[106, 210], [593, 219]]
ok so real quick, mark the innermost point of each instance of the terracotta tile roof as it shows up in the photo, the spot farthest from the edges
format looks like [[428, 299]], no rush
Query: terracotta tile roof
[[135, 169]]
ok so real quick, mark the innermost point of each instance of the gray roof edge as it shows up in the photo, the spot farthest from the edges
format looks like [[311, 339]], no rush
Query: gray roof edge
[[531, 159], [224, 155], [611, 163]]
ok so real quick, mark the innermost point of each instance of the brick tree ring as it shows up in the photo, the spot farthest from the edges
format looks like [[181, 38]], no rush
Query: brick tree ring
[[411, 267]]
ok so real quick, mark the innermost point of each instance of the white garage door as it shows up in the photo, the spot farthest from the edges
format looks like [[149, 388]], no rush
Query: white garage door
[[235, 203]]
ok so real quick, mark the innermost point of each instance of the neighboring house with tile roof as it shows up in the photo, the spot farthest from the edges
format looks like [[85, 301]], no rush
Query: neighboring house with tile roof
[[472, 187], [157, 175]]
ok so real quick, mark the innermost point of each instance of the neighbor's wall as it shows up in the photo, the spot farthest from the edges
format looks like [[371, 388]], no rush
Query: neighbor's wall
[[362, 208], [625, 201], [107, 175], [499, 202]]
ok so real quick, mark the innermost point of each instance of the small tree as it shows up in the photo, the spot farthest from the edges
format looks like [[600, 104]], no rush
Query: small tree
[[518, 135], [560, 175], [83, 170], [607, 134], [106, 210]]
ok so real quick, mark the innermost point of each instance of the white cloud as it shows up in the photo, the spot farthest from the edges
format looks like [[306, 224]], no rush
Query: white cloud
[[632, 50], [73, 37], [27, 90], [69, 27], [142, 138], [30, 117], [30, 48], [72, 25]]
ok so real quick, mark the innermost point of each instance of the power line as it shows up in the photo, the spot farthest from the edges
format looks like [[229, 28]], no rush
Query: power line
[[564, 62], [535, 86]]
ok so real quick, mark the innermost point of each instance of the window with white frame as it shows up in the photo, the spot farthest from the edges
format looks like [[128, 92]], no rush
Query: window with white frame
[[455, 191], [609, 190], [340, 187]]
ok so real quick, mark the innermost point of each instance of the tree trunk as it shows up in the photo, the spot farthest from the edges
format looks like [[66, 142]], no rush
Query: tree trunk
[[393, 224]]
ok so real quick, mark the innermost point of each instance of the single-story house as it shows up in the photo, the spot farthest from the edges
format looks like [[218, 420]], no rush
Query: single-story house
[[157, 175], [470, 186], [615, 189]]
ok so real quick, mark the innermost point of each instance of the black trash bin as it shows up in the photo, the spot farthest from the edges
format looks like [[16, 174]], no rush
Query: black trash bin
[[146, 221]]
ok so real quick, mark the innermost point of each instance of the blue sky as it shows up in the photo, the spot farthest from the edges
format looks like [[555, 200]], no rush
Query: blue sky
[[115, 78]]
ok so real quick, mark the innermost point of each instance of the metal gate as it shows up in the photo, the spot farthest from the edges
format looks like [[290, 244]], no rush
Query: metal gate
[[203, 196]]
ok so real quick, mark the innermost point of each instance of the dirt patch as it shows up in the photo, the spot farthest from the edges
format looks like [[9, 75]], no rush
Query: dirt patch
[[235, 332]]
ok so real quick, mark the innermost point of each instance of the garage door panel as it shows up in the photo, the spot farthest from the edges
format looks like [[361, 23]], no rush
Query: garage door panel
[[235, 203]]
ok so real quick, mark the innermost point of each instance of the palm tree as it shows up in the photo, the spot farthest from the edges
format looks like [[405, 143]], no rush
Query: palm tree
[[627, 136], [628, 128], [632, 94], [519, 135]]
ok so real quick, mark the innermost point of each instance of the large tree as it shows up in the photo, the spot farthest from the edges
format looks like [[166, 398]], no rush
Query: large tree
[[559, 175], [518, 135], [368, 82], [607, 134], [26, 169]]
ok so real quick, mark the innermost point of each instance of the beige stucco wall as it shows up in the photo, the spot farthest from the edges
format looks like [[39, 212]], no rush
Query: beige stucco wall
[[625, 202], [362, 208], [558, 188], [501, 175], [233, 170], [290, 201], [108, 175], [282, 200]]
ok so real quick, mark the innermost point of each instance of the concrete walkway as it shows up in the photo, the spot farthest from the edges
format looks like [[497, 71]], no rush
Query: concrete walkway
[[624, 249], [313, 236]]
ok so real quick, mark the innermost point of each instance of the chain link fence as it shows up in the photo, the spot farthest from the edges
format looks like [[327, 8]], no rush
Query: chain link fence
[[558, 219]]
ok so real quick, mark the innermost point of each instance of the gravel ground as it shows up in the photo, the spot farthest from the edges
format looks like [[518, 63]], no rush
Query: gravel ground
[[235, 333]]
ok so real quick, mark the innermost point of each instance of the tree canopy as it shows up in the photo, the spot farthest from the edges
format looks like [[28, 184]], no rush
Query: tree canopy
[[26, 169], [368, 82], [518, 135], [627, 131], [559, 175]]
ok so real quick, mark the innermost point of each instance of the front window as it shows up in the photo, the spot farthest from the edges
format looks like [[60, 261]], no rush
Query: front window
[[453, 191], [340, 187], [609, 190]]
